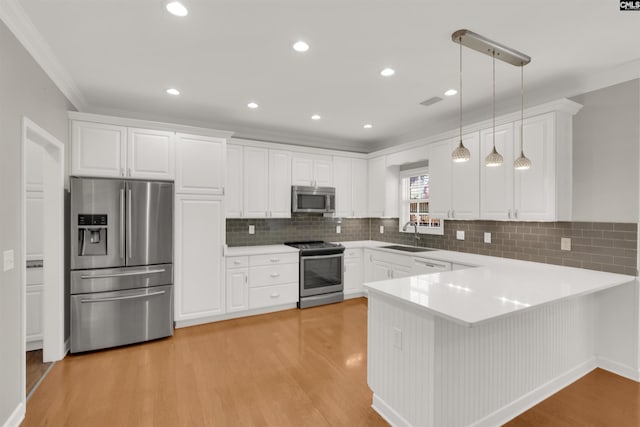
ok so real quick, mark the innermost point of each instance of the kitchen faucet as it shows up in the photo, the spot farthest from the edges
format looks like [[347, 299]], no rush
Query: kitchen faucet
[[415, 232]]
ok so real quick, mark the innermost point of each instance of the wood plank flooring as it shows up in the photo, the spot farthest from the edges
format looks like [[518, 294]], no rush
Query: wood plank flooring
[[35, 368], [292, 368]]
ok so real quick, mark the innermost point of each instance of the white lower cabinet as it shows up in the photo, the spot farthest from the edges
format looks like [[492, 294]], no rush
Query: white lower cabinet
[[199, 240], [261, 281], [353, 273], [381, 265]]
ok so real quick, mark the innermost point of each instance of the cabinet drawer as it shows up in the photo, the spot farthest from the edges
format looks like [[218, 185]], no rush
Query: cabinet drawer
[[272, 259], [273, 295], [273, 274], [237, 261], [353, 253]]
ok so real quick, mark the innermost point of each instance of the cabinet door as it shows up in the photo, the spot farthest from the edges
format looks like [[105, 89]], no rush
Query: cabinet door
[[255, 182], [358, 187], [496, 183], [380, 270], [301, 170], [440, 187], [150, 154], [235, 175], [343, 183], [200, 164], [535, 188], [199, 274], [237, 290], [34, 315], [279, 184], [97, 149], [465, 191], [353, 275], [376, 173], [323, 172]]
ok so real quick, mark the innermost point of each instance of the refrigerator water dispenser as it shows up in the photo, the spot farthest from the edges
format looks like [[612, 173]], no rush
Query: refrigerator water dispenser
[[92, 235]]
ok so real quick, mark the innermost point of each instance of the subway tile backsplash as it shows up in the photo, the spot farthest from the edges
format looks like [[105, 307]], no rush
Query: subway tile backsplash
[[594, 245]]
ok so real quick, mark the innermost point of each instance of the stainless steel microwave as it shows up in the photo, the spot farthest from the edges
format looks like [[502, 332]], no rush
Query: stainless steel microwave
[[313, 199]]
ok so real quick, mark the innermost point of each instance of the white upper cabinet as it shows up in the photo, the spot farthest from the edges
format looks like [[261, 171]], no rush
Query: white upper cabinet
[[350, 180], [465, 186], [440, 184], [279, 184], [496, 183], [200, 164], [234, 191], [256, 182], [98, 149], [383, 187], [105, 150], [150, 154], [311, 170]]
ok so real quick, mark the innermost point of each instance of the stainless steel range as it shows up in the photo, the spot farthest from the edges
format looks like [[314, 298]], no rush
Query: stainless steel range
[[321, 272]]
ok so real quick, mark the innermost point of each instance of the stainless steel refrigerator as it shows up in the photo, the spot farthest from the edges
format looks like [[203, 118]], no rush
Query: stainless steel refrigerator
[[121, 262]]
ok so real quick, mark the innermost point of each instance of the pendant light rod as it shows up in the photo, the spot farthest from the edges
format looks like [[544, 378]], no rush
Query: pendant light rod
[[489, 47]]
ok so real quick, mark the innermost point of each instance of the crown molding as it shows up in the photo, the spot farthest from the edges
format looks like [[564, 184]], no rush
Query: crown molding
[[19, 23]]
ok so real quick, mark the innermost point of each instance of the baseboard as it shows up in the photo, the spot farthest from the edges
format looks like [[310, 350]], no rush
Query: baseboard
[[618, 368], [527, 401], [386, 412], [228, 316], [358, 294], [16, 416], [34, 345]]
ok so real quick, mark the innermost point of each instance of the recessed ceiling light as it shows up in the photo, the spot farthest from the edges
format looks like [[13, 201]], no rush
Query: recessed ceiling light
[[368, 126], [176, 8], [252, 105], [315, 117], [387, 72], [451, 92], [300, 46], [173, 91]]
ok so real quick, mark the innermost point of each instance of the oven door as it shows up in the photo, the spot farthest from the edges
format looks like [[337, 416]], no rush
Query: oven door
[[321, 274]]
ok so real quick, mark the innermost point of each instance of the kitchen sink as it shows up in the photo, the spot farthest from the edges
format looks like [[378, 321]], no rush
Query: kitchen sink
[[408, 248]]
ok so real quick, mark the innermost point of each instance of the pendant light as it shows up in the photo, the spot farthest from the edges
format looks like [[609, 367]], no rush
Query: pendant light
[[494, 158], [461, 153], [522, 162]]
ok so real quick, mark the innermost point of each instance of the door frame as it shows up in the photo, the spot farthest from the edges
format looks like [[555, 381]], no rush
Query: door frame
[[53, 340]]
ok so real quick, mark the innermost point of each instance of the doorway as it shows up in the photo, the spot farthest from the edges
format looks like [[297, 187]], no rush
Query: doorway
[[43, 194]]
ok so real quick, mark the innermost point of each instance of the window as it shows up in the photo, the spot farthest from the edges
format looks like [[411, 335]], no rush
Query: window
[[414, 202]]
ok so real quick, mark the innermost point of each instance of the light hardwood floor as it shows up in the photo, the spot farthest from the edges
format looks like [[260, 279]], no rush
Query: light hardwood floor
[[35, 368], [292, 368]]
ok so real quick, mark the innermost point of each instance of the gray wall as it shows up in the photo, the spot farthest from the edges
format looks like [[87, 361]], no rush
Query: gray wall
[[26, 91], [606, 138]]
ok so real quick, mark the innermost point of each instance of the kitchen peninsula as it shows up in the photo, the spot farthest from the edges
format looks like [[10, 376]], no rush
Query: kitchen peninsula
[[478, 346]]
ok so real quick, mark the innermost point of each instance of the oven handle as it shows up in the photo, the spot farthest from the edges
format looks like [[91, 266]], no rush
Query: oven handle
[[340, 255]]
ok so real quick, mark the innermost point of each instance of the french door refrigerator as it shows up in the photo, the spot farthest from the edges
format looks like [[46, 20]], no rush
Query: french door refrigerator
[[121, 262]]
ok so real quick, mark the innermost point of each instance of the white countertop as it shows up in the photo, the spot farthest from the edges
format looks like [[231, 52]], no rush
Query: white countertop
[[258, 250], [496, 287]]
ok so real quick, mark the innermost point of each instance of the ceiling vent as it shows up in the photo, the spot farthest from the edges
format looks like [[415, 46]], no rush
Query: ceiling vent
[[431, 101]]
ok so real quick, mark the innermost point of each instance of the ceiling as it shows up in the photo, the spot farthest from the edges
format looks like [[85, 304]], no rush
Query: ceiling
[[121, 55]]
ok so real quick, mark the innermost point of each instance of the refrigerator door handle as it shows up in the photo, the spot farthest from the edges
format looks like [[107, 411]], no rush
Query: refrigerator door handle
[[129, 251], [133, 273], [122, 225], [124, 297]]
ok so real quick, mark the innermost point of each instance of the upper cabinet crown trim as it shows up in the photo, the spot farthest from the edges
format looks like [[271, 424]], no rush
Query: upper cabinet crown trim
[[148, 124], [295, 148]]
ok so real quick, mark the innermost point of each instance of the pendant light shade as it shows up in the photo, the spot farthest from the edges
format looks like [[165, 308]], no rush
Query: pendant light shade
[[522, 162], [461, 153], [494, 158]]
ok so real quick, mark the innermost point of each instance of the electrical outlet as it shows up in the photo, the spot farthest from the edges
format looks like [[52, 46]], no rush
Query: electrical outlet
[[565, 243], [487, 237], [460, 234], [338, 229], [382, 229], [8, 259], [252, 229], [397, 338]]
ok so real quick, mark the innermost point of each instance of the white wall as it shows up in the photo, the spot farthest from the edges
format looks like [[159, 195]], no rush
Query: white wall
[[606, 140], [26, 91]]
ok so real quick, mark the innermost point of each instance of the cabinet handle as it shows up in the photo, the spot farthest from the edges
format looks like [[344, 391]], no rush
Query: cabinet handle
[[453, 214], [129, 172], [515, 213], [275, 295], [274, 259], [275, 274], [509, 213], [448, 214], [121, 171], [236, 262], [246, 278], [353, 213]]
